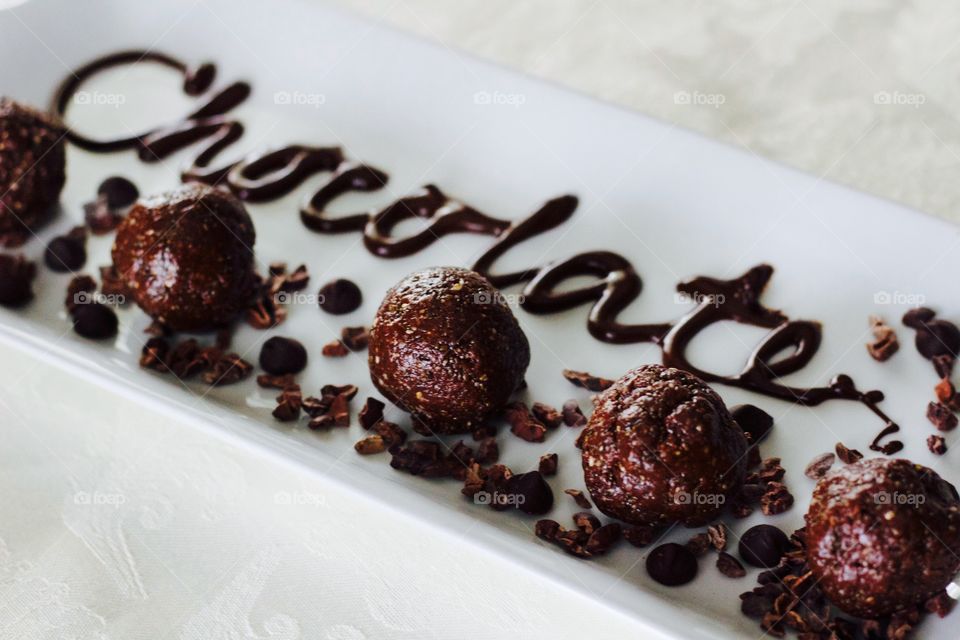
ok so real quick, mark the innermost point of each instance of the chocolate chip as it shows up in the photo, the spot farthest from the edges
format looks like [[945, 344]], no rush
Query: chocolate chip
[[340, 296], [523, 424], [16, 279], [546, 415], [95, 321], [938, 338], [548, 464], [763, 546], [819, 466], [537, 495], [579, 498], [753, 420], [937, 445], [66, 253], [280, 355], [335, 349], [572, 416], [587, 381], [730, 566], [119, 192], [371, 413], [916, 318], [848, 456], [941, 417], [672, 564]]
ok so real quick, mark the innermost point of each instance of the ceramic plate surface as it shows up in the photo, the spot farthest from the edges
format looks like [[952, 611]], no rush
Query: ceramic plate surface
[[675, 204]]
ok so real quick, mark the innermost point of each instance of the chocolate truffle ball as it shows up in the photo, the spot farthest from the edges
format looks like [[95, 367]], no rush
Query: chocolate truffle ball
[[32, 161], [661, 447], [882, 535], [445, 347], [187, 257]]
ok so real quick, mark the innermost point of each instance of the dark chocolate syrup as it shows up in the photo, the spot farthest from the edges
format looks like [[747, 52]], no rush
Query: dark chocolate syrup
[[269, 175]]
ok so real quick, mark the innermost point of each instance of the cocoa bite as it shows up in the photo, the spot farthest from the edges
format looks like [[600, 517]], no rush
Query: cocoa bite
[[32, 166], [186, 257], [882, 535], [661, 447], [446, 348]]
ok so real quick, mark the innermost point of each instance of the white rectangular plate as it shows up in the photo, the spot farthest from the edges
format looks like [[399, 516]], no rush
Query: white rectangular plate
[[675, 204]]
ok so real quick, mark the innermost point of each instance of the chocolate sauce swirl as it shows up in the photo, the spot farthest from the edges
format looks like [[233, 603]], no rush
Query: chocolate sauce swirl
[[789, 346]]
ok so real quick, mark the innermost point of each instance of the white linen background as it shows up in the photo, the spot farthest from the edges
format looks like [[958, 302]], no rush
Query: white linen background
[[107, 535]]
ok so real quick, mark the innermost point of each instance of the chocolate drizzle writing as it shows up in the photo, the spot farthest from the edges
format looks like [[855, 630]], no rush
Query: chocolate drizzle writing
[[787, 348]]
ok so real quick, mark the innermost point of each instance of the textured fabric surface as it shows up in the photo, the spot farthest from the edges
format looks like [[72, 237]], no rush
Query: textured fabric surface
[[862, 92]]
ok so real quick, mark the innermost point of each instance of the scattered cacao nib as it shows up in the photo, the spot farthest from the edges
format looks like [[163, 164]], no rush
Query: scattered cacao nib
[[546, 415], [281, 281], [289, 403], [937, 445], [112, 285], [488, 451], [848, 456], [16, 280], [885, 342], [420, 458], [579, 498], [80, 291], [118, 192], [547, 529], [340, 296], [946, 393], [335, 349], [588, 540], [523, 424], [337, 412], [572, 416], [753, 420], [391, 433], [154, 353], [819, 466], [587, 381], [941, 417], [699, 544], [730, 566], [943, 365], [370, 445], [67, 252], [934, 337], [265, 313], [940, 604], [371, 413], [315, 407], [349, 391], [95, 321], [672, 564], [227, 369], [280, 355], [548, 464], [158, 329], [13, 239], [776, 499], [763, 546], [586, 522], [770, 471], [355, 338], [99, 217], [224, 338], [640, 535], [270, 381], [484, 431], [603, 539], [718, 535]]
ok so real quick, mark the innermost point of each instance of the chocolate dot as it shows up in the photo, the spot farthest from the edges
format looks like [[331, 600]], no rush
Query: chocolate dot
[[763, 546], [65, 253], [340, 296], [281, 356], [672, 564], [119, 192], [753, 420], [938, 338], [95, 321], [534, 494]]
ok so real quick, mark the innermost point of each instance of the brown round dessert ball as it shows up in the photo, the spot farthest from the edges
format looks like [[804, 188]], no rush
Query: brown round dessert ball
[[661, 447], [883, 535], [187, 257], [445, 347], [32, 162]]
